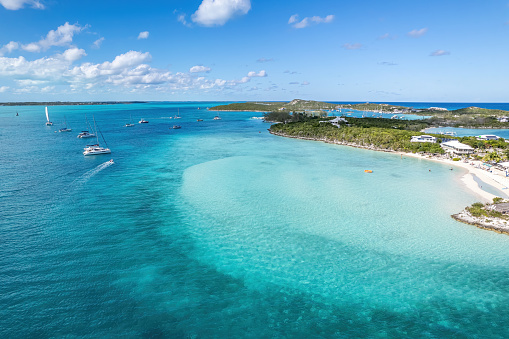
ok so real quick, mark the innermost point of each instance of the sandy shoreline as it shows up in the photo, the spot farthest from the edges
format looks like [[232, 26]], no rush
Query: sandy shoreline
[[495, 178]]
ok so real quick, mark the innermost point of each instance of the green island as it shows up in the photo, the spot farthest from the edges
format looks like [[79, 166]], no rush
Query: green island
[[468, 117]]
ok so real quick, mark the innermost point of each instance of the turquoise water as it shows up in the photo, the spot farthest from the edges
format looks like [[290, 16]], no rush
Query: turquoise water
[[220, 229]]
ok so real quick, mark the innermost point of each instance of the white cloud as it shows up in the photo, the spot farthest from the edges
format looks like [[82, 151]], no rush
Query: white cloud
[[61, 37], [18, 4], [305, 83], [439, 52], [4, 89], [309, 20], [199, 69], [73, 54], [182, 18], [265, 60], [9, 47], [98, 43], [260, 74], [387, 36], [293, 19], [416, 33], [218, 12], [352, 46], [143, 35]]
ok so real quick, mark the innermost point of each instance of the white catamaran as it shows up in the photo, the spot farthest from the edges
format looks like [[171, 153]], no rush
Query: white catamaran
[[96, 149], [48, 123]]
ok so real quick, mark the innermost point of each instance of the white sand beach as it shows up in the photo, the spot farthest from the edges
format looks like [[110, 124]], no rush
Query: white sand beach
[[492, 177]]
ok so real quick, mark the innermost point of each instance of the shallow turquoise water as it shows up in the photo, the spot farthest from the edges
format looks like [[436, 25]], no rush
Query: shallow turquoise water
[[220, 229]]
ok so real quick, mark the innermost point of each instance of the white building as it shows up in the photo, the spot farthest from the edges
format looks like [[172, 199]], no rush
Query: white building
[[487, 137], [423, 138], [437, 109], [456, 147]]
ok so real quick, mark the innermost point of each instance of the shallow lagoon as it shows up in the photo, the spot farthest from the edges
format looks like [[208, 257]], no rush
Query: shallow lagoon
[[220, 229]]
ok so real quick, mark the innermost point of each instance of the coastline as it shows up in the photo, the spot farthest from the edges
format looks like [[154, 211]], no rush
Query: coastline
[[494, 179]]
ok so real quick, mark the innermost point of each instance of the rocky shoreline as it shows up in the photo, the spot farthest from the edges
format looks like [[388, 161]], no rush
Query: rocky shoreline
[[487, 223]]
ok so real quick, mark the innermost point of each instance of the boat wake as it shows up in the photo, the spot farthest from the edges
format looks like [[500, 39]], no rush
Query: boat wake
[[89, 174]]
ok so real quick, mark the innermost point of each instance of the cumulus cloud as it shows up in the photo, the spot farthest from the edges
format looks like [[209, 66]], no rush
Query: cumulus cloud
[[416, 33], [352, 46], [439, 52], [294, 20], [260, 74], [3, 89], [199, 69], [14, 5], [218, 12], [8, 48], [62, 36], [73, 54], [98, 43], [143, 35]]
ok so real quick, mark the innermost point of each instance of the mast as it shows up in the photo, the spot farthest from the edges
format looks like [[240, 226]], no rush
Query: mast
[[47, 115]]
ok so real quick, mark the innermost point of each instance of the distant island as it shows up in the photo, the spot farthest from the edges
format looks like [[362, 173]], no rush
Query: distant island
[[468, 117], [68, 103]]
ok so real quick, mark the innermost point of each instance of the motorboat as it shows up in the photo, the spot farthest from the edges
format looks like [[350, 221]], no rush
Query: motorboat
[[143, 121], [199, 119], [217, 117], [176, 126]]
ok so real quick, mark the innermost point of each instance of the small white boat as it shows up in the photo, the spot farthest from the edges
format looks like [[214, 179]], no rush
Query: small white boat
[[48, 123], [86, 134], [130, 123], [176, 126], [143, 121], [178, 114], [217, 117], [65, 129]]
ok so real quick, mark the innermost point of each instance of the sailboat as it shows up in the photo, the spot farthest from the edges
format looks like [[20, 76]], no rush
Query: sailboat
[[96, 149], [48, 123], [86, 134], [217, 117], [130, 123], [65, 129], [178, 114]]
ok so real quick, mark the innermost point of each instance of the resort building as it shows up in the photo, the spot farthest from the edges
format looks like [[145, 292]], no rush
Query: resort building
[[487, 137], [423, 138], [456, 147]]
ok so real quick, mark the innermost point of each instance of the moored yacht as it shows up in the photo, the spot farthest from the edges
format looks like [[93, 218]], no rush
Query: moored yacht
[[86, 134], [48, 123], [95, 149]]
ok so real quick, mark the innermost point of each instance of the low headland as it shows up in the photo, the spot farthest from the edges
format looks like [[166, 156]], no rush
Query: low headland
[[467, 117], [388, 135]]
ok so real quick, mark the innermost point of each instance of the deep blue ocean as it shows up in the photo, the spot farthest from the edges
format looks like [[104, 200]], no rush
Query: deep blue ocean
[[222, 230]]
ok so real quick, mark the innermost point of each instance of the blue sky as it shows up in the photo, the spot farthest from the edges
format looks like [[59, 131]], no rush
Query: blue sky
[[234, 50]]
